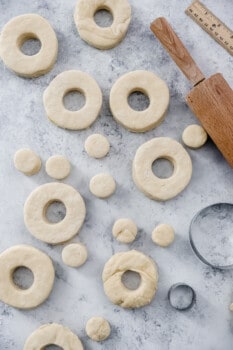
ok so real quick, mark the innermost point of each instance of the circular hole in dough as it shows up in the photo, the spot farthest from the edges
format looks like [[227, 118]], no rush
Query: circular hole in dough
[[102, 185], [124, 230], [131, 279], [98, 329], [23, 277], [74, 100], [163, 235], [58, 167], [138, 100], [97, 146], [30, 46], [163, 168], [53, 347], [194, 136], [103, 17], [55, 212], [27, 161], [74, 255]]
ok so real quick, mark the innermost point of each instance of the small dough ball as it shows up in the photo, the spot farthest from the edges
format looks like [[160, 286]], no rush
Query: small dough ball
[[27, 161], [102, 185], [124, 230], [58, 167], [74, 255], [98, 329], [97, 146], [194, 136], [163, 235], [231, 307]]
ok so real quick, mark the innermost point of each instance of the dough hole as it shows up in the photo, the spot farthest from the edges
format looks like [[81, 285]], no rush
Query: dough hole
[[103, 17], [163, 168], [74, 100], [23, 277], [138, 100], [55, 212], [52, 347], [30, 45], [131, 279]]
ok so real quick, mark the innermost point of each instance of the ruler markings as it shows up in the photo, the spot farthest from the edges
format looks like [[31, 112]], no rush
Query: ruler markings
[[211, 24]]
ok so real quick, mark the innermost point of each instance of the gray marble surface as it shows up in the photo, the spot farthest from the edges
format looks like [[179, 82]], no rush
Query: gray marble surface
[[78, 293]]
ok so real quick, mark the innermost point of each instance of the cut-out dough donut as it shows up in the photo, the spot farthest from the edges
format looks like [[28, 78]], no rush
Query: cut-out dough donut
[[97, 146], [35, 213], [98, 329], [102, 185], [57, 167], [74, 255], [135, 261], [27, 161], [53, 334], [124, 230], [20, 29], [147, 83], [194, 136], [72, 80], [43, 271], [163, 235], [102, 38], [153, 186]]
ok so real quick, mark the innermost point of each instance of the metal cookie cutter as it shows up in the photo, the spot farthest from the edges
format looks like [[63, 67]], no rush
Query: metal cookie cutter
[[211, 235]]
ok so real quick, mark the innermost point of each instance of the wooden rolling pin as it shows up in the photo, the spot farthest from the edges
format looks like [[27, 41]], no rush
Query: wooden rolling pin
[[211, 100]]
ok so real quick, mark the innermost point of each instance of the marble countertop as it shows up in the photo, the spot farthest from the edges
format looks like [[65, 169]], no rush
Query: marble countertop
[[78, 293]]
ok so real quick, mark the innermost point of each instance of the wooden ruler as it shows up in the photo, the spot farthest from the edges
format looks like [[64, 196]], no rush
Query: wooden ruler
[[211, 24]]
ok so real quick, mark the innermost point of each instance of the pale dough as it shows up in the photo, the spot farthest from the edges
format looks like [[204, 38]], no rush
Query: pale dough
[[35, 212], [62, 84], [97, 146], [194, 136], [153, 186], [231, 307], [112, 274], [149, 84], [16, 32], [27, 161], [98, 329], [43, 271], [94, 35], [57, 167], [74, 255], [53, 334], [163, 235], [102, 185], [124, 230]]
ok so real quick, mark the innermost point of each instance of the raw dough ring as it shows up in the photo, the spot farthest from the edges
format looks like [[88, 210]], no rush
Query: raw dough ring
[[149, 84], [40, 265], [35, 209], [153, 186], [63, 84], [16, 32], [99, 37], [53, 334], [113, 271]]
